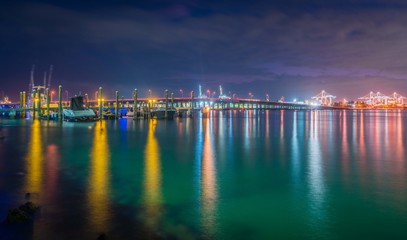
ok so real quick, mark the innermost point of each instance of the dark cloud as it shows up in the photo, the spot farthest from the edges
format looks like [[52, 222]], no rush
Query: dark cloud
[[288, 48]]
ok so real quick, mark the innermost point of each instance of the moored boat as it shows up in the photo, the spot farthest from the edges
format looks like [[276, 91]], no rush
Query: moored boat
[[78, 112]]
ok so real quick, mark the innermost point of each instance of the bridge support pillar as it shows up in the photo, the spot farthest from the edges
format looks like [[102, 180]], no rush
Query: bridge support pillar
[[47, 99]]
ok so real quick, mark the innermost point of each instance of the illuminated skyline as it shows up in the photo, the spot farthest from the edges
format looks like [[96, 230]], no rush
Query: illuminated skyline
[[284, 48]]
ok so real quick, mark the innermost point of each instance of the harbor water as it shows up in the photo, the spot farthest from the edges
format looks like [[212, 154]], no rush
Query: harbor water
[[227, 175]]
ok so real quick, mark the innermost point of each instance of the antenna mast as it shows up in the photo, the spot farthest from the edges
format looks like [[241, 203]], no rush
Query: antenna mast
[[31, 84], [45, 81]]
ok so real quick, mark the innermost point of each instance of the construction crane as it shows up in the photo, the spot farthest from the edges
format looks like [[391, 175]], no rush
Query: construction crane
[[324, 98], [39, 88], [31, 84], [51, 68], [378, 98]]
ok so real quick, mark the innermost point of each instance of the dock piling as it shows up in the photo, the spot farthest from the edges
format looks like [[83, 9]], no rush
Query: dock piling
[[116, 111], [192, 103], [135, 108], [24, 99], [166, 104], [86, 100], [34, 96], [100, 100], [47, 97], [21, 100], [59, 103], [39, 104], [172, 100]]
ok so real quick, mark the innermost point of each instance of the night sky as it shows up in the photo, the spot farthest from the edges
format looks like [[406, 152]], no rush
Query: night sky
[[284, 48]]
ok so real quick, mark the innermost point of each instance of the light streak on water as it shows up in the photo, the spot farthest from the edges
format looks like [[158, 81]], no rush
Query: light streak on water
[[152, 195], [99, 179], [34, 159]]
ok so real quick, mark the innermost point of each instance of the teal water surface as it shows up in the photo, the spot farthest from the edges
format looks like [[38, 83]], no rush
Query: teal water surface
[[229, 175]]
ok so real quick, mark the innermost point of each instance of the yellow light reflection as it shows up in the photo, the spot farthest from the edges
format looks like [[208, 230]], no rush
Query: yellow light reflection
[[34, 159], [208, 184], [99, 178], [152, 179]]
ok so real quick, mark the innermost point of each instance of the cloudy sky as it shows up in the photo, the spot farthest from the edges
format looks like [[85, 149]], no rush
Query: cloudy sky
[[284, 48]]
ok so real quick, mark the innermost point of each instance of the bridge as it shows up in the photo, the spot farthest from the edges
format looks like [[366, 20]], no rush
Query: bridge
[[180, 104], [40, 103]]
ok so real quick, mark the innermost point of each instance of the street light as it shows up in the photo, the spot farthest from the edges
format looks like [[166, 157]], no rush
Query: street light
[[182, 93], [150, 93], [52, 94]]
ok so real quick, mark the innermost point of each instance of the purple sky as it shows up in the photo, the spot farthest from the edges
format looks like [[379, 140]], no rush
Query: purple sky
[[285, 48]]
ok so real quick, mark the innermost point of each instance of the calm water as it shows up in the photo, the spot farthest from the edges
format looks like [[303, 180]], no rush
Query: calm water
[[235, 175]]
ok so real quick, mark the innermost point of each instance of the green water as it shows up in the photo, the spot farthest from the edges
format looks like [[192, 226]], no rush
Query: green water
[[230, 175]]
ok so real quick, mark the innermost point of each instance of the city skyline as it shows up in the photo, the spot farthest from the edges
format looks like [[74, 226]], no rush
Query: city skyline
[[284, 48]]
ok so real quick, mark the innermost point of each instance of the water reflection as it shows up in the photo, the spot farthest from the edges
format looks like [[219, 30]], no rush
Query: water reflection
[[295, 151], [399, 137], [316, 178], [400, 163], [34, 159], [208, 183], [52, 170], [99, 179], [345, 142], [152, 199], [362, 146], [248, 130], [281, 125], [282, 140]]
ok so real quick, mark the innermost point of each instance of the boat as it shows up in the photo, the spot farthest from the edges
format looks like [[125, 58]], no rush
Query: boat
[[159, 113], [78, 112], [107, 114], [130, 114]]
